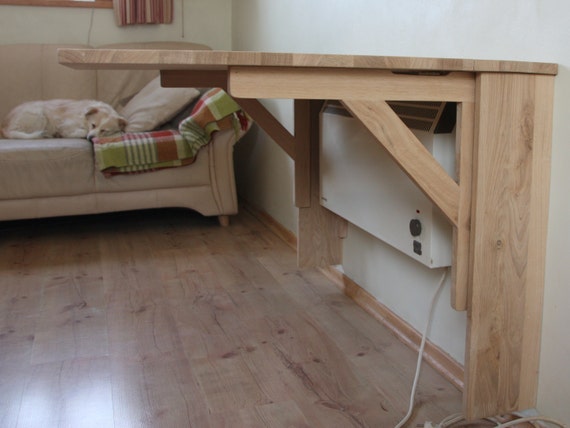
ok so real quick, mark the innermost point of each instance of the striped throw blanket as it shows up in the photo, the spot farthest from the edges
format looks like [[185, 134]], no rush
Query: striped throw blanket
[[148, 151]]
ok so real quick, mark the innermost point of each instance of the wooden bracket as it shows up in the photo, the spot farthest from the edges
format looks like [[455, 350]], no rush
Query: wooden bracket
[[194, 78], [409, 153]]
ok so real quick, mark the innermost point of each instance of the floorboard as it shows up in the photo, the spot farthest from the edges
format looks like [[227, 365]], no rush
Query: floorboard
[[165, 319]]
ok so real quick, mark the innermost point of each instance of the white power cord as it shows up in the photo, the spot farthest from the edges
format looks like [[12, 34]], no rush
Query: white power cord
[[451, 420], [421, 351], [458, 417], [531, 419]]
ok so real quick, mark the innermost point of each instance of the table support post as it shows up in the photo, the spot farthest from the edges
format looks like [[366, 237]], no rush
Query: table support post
[[319, 232], [461, 233], [508, 240]]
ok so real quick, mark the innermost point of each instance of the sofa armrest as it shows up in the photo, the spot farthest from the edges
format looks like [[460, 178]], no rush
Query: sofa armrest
[[222, 174]]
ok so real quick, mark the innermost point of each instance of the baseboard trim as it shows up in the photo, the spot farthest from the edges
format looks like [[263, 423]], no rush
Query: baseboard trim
[[273, 225], [433, 355]]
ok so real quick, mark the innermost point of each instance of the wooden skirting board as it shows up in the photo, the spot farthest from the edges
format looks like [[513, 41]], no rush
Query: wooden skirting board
[[433, 355], [272, 224]]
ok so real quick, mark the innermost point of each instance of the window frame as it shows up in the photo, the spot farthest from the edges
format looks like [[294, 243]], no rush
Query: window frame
[[102, 4]]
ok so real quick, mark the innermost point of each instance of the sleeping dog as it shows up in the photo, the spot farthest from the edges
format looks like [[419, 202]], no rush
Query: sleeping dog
[[62, 119]]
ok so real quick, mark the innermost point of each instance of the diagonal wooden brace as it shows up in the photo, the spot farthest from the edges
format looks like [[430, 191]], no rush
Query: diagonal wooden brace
[[409, 153]]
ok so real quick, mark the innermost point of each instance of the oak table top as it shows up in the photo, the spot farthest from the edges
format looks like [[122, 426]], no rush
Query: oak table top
[[218, 59]]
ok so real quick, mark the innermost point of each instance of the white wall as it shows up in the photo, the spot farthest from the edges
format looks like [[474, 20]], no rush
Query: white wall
[[201, 21], [534, 30]]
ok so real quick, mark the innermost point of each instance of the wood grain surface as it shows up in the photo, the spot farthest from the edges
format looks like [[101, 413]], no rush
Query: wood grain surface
[[499, 208], [165, 319], [196, 59], [510, 210]]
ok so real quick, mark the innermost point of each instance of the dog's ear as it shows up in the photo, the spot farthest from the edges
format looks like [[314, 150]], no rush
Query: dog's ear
[[90, 111], [122, 123]]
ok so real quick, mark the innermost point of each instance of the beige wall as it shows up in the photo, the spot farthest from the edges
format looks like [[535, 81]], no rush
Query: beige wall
[[534, 30], [202, 21]]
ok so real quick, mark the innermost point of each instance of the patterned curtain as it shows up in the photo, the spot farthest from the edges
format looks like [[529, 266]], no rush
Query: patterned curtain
[[129, 12]]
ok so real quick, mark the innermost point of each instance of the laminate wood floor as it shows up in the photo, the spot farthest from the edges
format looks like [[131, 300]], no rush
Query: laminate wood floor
[[165, 319]]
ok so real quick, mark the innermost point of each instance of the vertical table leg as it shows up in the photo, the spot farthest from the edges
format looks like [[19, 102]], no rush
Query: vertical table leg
[[318, 241], [508, 237]]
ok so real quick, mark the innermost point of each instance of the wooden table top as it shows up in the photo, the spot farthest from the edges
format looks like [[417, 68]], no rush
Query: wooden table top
[[212, 60]]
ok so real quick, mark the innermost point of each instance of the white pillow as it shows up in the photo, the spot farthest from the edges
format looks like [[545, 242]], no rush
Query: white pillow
[[155, 105]]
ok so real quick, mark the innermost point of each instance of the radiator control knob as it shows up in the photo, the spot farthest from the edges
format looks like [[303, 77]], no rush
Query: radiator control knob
[[415, 227]]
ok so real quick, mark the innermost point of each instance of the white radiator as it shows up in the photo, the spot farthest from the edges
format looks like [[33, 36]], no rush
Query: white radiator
[[361, 183]]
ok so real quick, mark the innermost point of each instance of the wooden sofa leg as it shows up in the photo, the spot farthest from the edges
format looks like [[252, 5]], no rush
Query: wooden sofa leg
[[224, 220]]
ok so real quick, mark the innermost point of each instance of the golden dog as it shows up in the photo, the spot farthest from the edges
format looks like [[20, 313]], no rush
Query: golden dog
[[62, 119]]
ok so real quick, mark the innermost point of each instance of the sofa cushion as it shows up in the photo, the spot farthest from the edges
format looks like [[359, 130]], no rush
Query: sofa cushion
[[41, 168], [155, 105]]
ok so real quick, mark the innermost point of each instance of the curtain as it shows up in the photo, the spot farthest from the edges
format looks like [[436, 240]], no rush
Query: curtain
[[129, 12]]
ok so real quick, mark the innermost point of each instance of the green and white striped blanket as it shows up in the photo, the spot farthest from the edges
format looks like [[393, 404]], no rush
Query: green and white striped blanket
[[148, 151]]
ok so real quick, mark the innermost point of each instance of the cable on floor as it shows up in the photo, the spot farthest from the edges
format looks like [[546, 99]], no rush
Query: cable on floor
[[421, 350], [531, 419], [451, 420]]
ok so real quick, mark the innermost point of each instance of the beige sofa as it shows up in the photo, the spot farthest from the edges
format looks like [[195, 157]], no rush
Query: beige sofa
[[56, 177]]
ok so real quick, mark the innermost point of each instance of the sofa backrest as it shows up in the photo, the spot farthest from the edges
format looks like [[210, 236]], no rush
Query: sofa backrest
[[116, 87], [31, 72]]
